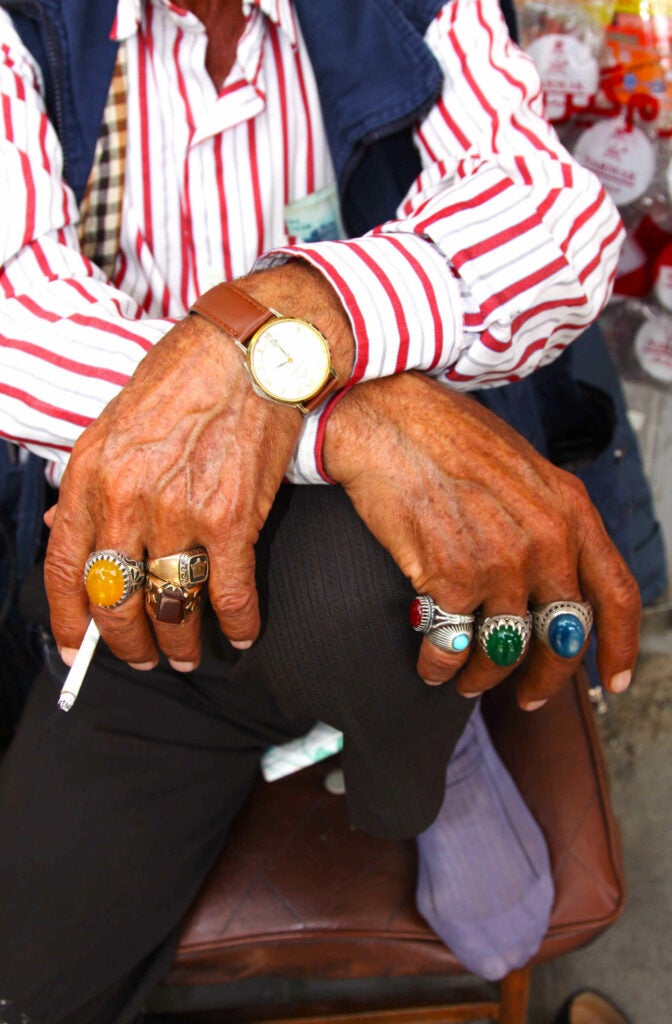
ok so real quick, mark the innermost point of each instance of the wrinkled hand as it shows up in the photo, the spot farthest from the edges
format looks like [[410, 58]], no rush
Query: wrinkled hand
[[186, 454], [477, 519]]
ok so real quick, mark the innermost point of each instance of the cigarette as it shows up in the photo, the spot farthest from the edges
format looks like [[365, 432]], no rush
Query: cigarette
[[75, 676]]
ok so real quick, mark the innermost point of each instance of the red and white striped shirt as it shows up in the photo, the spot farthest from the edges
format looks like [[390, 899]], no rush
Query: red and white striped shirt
[[503, 251]]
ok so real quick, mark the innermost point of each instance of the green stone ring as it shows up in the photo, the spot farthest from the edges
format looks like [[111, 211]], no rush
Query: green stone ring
[[504, 638]]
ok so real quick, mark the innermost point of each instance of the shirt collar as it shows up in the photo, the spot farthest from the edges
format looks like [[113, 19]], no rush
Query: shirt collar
[[280, 12], [129, 15]]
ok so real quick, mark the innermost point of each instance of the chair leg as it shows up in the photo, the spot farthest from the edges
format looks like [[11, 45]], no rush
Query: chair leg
[[514, 994]]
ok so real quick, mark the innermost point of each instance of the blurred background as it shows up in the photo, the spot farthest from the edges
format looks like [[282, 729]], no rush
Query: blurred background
[[606, 72]]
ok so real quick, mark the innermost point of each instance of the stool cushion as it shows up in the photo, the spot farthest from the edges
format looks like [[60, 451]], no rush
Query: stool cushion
[[297, 892]]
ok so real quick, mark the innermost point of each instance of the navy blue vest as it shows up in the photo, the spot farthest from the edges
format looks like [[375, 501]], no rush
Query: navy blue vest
[[376, 77]]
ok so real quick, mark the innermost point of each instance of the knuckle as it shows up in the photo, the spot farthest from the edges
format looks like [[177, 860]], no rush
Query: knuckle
[[179, 644], [438, 666], [226, 521], [575, 490], [519, 553], [229, 601], [559, 534], [123, 636], [60, 577], [625, 599], [575, 507], [553, 528], [120, 490]]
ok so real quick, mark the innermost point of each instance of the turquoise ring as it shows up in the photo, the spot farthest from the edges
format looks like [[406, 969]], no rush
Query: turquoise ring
[[445, 630], [563, 626]]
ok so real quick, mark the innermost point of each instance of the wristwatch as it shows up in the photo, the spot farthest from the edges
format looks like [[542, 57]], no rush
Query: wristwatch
[[288, 360]]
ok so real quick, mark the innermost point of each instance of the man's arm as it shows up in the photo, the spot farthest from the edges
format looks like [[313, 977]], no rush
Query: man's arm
[[185, 454], [188, 449], [183, 457], [504, 249], [476, 518], [468, 510], [69, 340], [415, 296]]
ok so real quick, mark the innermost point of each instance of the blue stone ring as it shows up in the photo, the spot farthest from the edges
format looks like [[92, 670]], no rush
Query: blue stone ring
[[449, 632], [563, 626]]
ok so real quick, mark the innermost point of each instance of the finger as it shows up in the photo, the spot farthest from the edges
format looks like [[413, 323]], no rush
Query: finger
[[558, 649], [175, 587], [544, 674], [126, 632], [437, 666], [64, 583], [448, 633], [614, 594], [177, 624], [124, 627], [232, 591], [507, 647]]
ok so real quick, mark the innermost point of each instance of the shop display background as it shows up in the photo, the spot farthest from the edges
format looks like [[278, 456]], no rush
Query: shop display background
[[632, 962]]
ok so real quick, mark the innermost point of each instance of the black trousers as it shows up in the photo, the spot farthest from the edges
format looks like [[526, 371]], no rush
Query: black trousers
[[111, 815]]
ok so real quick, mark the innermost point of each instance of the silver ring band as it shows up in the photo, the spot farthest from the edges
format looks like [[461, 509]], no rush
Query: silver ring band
[[111, 575], [563, 626], [449, 632], [504, 638]]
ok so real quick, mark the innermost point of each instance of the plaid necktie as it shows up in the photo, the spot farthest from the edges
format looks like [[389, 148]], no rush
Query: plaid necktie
[[100, 211]]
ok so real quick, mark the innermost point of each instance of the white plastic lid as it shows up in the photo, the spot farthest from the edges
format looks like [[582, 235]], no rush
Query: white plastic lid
[[567, 68], [653, 347], [624, 159]]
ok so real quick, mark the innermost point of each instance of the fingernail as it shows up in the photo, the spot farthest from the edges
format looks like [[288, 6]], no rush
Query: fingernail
[[143, 666], [532, 705], [68, 654], [620, 682], [182, 666], [241, 645], [434, 682], [470, 696]]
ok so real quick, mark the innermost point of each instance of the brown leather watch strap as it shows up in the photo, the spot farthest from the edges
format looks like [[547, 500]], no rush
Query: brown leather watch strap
[[231, 309], [241, 316]]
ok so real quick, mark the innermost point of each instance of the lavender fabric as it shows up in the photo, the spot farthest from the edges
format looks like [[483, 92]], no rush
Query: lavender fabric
[[484, 877]]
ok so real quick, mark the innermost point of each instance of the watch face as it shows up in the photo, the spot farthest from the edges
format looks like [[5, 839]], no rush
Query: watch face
[[289, 360]]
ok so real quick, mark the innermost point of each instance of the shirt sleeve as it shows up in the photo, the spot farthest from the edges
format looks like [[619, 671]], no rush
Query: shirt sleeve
[[69, 340], [504, 249]]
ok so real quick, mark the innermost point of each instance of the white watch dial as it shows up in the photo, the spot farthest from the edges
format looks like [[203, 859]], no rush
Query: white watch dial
[[289, 360]]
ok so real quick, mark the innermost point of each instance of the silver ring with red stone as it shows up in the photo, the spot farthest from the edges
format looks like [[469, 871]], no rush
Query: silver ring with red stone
[[169, 602], [445, 630]]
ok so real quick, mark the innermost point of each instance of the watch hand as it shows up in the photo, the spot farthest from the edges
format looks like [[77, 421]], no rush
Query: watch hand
[[278, 345]]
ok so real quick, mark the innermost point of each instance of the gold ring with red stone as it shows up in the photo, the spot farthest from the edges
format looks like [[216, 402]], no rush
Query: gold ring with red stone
[[169, 602], [188, 568], [110, 577]]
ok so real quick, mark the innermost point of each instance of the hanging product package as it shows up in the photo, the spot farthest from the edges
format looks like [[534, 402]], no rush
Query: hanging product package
[[606, 74]]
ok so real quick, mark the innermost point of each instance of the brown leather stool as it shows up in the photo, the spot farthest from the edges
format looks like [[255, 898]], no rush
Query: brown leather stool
[[305, 919]]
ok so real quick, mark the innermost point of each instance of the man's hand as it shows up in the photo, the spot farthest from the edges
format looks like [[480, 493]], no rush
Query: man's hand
[[187, 454], [479, 520]]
